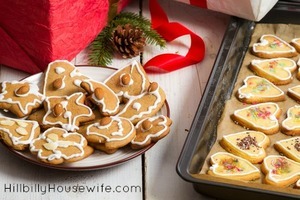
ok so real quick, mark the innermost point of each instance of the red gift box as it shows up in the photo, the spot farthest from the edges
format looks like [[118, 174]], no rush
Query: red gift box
[[34, 33]]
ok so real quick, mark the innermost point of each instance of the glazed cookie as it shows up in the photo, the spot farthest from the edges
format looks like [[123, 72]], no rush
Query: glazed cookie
[[271, 46], [128, 81], [62, 78], [56, 146], [280, 171], [151, 130], [144, 105], [277, 70], [20, 98], [289, 147], [297, 185], [227, 165], [260, 117], [258, 90], [296, 43], [298, 72], [294, 93], [102, 96], [250, 145], [109, 133], [66, 111], [291, 125], [18, 133]]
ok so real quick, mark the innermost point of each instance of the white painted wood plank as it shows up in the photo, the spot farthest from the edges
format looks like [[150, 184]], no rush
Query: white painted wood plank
[[184, 89]]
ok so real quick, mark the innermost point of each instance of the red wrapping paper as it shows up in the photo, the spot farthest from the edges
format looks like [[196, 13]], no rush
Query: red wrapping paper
[[34, 33]]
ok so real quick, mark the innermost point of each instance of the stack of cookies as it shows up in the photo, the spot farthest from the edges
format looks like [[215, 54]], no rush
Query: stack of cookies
[[71, 115]]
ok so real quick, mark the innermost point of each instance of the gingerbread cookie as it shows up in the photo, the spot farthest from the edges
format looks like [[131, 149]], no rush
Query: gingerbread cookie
[[250, 145], [150, 130], [18, 133], [56, 146], [260, 117], [271, 46], [20, 98], [280, 171], [109, 133], [277, 70], [102, 96], [62, 78], [226, 165], [296, 43], [258, 90], [291, 125], [144, 105], [128, 81], [289, 147], [66, 111]]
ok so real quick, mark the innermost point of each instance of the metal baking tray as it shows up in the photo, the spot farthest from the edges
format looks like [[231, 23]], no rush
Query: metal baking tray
[[203, 131]]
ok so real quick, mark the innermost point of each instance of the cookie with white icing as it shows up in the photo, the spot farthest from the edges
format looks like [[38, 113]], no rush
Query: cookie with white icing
[[102, 96], [250, 145], [229, 166], [277, 70], [258, 90], [18, 133], [128, 81], [62, 78], [66, 111], [298, 72], [280, 171], [20, 97], [294, 92], [296, 43], [56, 146], [291, 124], [109, 133], [259, 117], [151, 130], [289, 147], [144, 105], [271, 46]]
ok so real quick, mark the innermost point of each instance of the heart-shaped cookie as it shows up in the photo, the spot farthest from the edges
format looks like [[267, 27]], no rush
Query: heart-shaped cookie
[[280, 171], [289, 147], [277, 70], [229, 166], [294, 92], [260, 117], [291, 125], [258, 90], [296, 43], [250, 145], [271, 46]]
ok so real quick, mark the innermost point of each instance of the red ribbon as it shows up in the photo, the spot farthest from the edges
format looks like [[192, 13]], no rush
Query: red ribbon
[[170, 31], [199, 3]]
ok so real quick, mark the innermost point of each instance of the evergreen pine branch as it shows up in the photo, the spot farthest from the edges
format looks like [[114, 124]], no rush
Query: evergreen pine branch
[[101, 49]]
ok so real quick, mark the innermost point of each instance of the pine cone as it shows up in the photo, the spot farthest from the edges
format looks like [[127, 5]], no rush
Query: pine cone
[[128, 40]]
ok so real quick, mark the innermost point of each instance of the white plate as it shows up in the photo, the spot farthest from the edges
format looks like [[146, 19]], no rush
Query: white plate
[[98, 159]]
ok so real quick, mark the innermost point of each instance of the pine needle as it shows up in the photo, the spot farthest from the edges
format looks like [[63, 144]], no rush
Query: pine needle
[[101, 49]]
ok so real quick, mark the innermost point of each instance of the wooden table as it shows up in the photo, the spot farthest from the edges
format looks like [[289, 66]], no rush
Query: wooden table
[[151, 176]]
